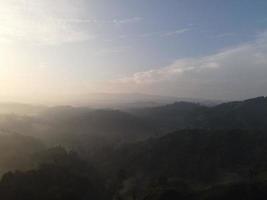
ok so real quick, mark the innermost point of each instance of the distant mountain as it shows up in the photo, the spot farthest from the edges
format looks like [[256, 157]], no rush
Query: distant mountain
[[20, 109], [91, 129], [171, 117], [132, 124], [248, 114], [69, 125], [130, 100], [182, 150]]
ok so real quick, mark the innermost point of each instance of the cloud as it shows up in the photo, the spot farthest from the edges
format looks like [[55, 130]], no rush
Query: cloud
[[112, 21], [127, 21], [237, 72], [176, 32], [223, 35], [164, 33], [111, 51], [40, 22]]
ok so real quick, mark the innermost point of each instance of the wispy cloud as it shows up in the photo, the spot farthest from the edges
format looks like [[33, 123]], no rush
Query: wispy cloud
[[223, 35], [176, 32], [168, 33], [111, 51], [116, 21], [127, 20], [39, 22], [235, 72]]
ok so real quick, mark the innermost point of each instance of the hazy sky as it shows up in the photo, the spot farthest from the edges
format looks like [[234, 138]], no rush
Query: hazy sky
[[188, 48]]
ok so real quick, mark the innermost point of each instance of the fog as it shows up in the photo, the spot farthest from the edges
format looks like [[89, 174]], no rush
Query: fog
[[133, 100]]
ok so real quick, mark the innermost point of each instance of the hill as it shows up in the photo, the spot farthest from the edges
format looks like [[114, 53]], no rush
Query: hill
[[87, 130], [248, 114], [16, 151], [192, 159]]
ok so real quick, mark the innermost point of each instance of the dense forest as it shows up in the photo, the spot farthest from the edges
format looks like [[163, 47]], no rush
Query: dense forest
[[177, 151]]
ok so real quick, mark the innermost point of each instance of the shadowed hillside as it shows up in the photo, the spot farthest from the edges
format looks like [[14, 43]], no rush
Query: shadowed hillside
[[248, 114], [214, 153], [16, 151]]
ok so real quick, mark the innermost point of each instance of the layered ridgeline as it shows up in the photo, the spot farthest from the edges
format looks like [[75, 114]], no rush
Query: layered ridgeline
[[134, 124], [198, 156], [188, 164], [79, 128], [248, 114], [89, 130], [178, 151]]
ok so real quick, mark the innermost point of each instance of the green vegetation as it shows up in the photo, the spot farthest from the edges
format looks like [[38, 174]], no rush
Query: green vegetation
[[215, 152]]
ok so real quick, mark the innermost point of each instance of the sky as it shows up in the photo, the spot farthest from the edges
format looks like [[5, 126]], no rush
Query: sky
[[211, 49]]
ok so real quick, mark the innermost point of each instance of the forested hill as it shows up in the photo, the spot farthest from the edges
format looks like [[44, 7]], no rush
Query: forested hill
[[16, 151], [186, 165], [214, 153], [248, 114], [191, 160], [199, 155]]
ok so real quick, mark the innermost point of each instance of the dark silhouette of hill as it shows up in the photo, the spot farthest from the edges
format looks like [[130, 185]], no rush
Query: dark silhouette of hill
[[248, 114], [79, 127], [165, 168], [204, 155], [214, 152], [171, 117], [16, 151], [68, 124], [189, 161], [20, 108], [88, 130], [63, 176]]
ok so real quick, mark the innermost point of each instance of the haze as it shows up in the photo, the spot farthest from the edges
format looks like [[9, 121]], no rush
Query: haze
[[62, 51], [133, 99]]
